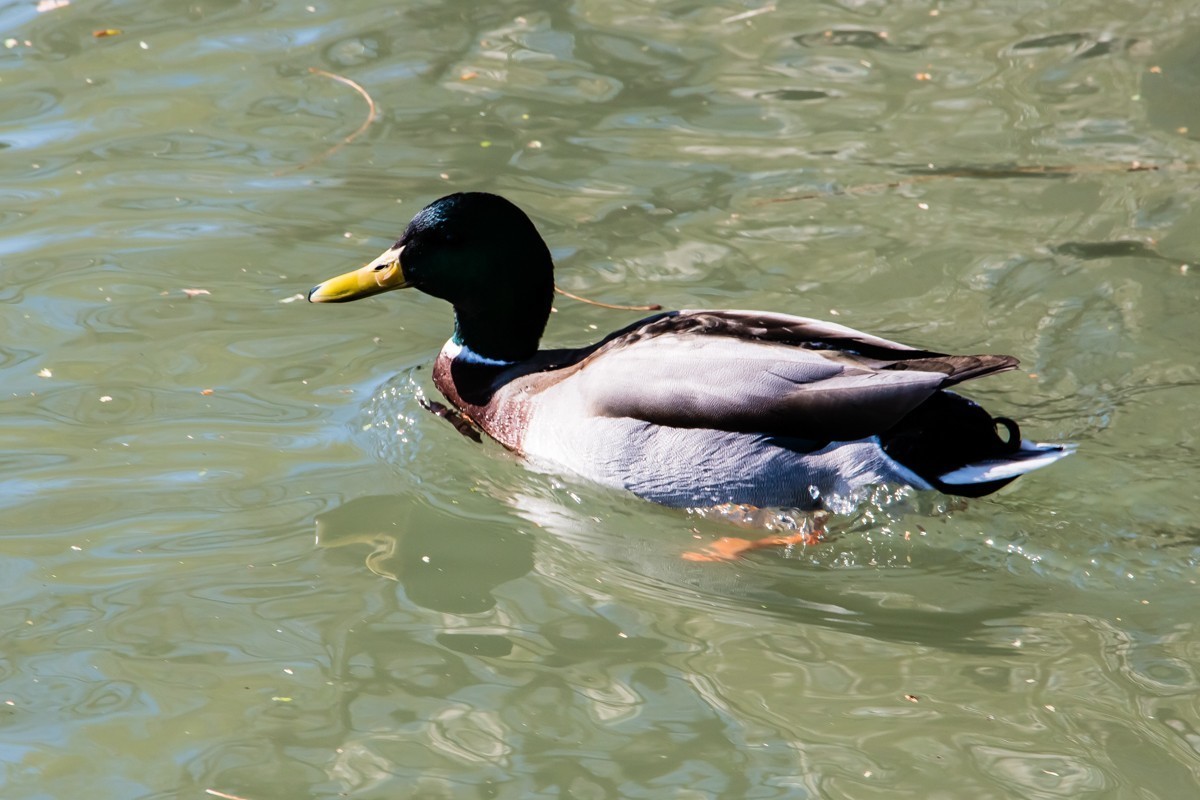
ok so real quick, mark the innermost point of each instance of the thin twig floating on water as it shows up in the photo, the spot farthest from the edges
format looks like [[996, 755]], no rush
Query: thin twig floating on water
[[215, 793], [565, 293], [372, 109], [930, 173]]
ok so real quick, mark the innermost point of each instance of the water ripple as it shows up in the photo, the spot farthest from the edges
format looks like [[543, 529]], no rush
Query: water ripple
[[457, 623]]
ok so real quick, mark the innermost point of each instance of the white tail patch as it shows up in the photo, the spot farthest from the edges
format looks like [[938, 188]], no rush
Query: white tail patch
[[1031, 456]]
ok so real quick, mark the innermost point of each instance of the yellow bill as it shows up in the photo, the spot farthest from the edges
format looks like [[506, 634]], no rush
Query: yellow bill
[[381, 275]]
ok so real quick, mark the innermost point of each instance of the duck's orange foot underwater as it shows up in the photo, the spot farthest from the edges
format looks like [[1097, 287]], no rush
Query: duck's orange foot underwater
[[730, 548]]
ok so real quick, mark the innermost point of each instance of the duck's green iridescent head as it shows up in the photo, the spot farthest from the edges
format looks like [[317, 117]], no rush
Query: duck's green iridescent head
[[479, 252]]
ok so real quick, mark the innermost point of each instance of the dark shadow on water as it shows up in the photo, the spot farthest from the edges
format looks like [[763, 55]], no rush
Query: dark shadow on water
[[445, 562], [944, 601], [795, 95], [451, 561], [1121, 248], [930, 608], [832, 604]]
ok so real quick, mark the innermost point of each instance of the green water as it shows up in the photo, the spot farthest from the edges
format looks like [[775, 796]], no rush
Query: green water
[[238, 556]]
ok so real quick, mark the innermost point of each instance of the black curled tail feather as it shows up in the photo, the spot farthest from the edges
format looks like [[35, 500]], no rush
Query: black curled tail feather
[[948, 432]]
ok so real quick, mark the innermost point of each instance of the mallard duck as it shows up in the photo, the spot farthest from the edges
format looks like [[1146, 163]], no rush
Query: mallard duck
[[689, 408]]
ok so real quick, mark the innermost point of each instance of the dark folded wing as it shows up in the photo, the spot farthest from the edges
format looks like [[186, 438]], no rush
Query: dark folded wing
[[767, 373]]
